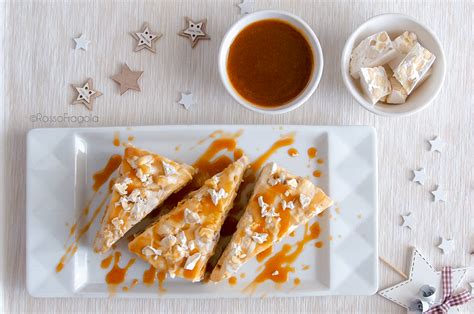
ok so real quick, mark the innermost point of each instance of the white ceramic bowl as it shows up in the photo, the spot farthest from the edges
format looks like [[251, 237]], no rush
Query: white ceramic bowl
[[396, 24], [296, 22]]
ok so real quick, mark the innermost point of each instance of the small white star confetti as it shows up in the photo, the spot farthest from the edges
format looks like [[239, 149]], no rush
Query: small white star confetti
[[146, 38], [419, 176], [408, 221], [246, 6], [186, 100], [81, 42], [446, 245], [437, 144], [86, 94], [195, 31], [439, 195]]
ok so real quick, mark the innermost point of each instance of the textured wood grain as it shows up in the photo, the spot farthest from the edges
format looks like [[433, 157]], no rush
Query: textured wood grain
[[41, 64]]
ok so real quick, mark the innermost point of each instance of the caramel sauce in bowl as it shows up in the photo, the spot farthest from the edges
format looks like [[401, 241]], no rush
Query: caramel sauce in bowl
[[287, 61]]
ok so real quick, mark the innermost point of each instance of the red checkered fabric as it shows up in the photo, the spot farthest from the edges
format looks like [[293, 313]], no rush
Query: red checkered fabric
[[448, 299]]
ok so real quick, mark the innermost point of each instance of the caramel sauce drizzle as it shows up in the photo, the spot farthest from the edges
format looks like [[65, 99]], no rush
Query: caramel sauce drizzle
[[283, 260], [72, 248], [264, 254], [152, 274], [149, 276], [285, 141], [293, 152], [105, 263], [103, 175], [132, 285], [99, 178], [319, 244], [312, 152], [233, 281], [117, 274], [116, 140], [206, 166]]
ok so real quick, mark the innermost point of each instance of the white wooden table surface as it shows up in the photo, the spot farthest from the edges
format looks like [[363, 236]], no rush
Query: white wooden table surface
[[40, 64]]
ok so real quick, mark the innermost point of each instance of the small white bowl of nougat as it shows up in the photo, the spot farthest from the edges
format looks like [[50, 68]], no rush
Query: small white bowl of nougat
[[393, 65]]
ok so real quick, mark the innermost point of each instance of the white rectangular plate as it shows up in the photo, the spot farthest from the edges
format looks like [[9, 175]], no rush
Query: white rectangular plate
[[61, 162]]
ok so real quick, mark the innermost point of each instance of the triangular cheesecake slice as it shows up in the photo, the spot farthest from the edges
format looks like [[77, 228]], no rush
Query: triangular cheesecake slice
[[145, 181], [280, 203], [182, 241]]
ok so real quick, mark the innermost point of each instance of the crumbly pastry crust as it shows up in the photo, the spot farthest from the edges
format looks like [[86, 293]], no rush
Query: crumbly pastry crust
[[145, 181], [279, 204], [182, 241]]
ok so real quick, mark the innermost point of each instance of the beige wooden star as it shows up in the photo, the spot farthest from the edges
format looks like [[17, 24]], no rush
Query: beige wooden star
[[127, 79], [146, 38], [86, 94], [195, 31]]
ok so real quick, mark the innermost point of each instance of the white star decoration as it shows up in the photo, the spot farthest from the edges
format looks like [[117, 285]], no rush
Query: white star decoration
[[471, 284], [186, 100], [419, 176], [437, 144], [246, 6], [439, 195], [421, 273], [408, 221], [81, 42], [446, 245]]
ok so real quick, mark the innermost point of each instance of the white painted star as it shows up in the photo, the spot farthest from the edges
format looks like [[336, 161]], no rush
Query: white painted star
[[408, 221], [186, 100], [439, 195], [419, 176], [246, 6], [471, 284], [421, 273], [446, 245], [437, 144], [81, 42]]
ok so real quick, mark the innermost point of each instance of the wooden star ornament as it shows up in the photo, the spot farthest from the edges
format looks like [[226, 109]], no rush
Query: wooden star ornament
[[146, 38], [195, 31], [86, 94], [127, 79]]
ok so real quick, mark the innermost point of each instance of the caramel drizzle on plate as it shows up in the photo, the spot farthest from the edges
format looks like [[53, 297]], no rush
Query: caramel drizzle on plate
[[278, 267]]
